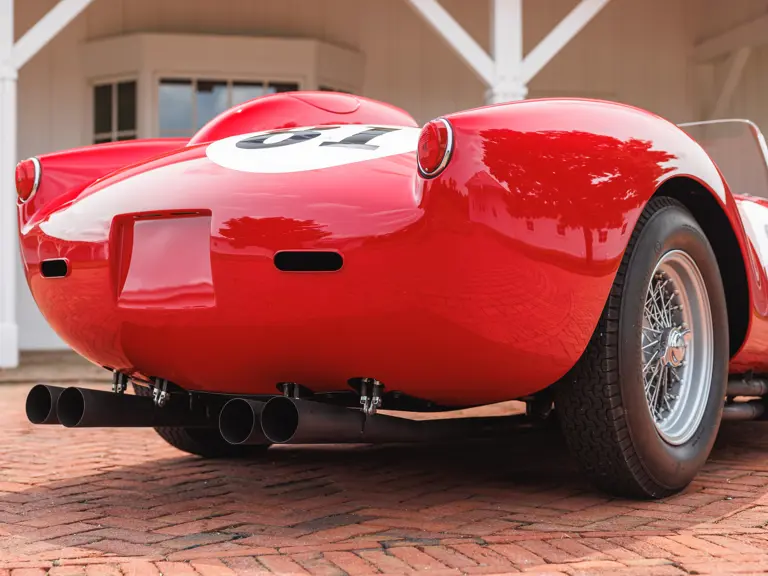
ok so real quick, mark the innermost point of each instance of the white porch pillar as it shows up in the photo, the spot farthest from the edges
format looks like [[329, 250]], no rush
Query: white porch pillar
[[507, 73], [9, 330], [12, 57], [507, 49]]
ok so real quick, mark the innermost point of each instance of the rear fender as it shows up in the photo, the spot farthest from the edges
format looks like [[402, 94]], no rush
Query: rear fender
[[65, 174], [564, 181]]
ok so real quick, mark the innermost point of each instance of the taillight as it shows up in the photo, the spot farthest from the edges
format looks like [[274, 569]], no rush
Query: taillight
[[435, 147], [28, 174]]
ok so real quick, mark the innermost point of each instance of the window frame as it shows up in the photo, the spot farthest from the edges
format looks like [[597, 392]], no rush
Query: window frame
[[114, 134], [195, 77]]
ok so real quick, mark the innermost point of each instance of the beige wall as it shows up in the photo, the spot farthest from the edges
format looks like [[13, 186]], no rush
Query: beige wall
[[635, 51], [714, 17], [615, 57]]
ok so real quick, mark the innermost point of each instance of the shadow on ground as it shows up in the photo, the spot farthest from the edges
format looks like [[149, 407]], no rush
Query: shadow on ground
[[84, 493]]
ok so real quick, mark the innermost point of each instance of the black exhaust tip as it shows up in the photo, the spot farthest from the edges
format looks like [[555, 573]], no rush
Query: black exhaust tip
[[280, 420], [71, 407], [41, 404], [240, 422]]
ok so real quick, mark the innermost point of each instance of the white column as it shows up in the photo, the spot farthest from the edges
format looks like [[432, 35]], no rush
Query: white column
[[507, 52], [9, 331]]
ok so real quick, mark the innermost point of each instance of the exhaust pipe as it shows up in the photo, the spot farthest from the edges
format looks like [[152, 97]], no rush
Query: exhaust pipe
[[240, 422], [287, 420], [41, 404], [85, 408], [752, 410], [747, 387]]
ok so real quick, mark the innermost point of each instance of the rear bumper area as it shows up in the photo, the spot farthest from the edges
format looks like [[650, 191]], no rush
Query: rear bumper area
[[457, 318]]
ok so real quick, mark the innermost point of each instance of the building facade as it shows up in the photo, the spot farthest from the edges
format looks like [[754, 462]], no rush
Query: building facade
[[123, 69]]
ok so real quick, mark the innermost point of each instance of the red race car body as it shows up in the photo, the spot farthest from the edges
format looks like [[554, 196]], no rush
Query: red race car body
[[316, 253], [308, 253]]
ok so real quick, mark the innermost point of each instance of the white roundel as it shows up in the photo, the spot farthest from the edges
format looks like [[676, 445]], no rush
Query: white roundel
[[314, 148]]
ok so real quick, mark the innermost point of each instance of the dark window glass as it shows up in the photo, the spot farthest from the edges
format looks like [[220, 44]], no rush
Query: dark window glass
[[126, 106], [244, 91], [102, 140], [212, 100], [102, 109], [175, 106], [274, 87], [126, 137]]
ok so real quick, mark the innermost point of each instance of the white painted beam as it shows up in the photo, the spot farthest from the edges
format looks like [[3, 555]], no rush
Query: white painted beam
[[736, 65], [749, 34], [560, 35], [459, 39], [9, 331], [45, 30], [6, 29], [507, 51]]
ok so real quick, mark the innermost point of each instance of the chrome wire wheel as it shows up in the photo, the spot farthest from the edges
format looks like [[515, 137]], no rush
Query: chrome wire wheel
[[677, 347]]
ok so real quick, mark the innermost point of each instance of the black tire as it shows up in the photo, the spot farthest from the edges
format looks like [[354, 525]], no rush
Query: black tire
[[207, 443], [602, 403]]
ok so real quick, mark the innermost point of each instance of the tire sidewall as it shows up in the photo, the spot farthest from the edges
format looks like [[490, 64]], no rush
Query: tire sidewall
[[671, 227]]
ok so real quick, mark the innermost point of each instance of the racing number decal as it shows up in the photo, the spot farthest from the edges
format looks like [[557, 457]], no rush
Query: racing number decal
[[359, 141], [312, 148]]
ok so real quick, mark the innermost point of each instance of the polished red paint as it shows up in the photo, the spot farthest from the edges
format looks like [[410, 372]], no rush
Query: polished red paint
[[69, 172], [752, 356], [296, 109], [481, 285]]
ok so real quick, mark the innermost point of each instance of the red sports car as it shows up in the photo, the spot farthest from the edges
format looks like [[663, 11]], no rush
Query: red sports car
[[309, 259]]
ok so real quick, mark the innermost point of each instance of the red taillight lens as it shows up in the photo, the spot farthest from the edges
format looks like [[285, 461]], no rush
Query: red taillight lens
[[27, 178], [435, 147]]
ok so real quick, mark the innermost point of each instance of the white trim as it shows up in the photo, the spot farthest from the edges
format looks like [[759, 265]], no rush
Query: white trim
[[45, 30], [508, 73], [559, 36], [9, 330], [459, 39], [736, 67], [749, 34], [6, 34], [507, 47]]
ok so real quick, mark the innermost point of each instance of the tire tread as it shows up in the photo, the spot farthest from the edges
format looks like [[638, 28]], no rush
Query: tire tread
[[589, 399]]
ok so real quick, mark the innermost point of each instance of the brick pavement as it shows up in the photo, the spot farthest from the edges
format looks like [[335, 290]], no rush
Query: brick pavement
[[123, 502]]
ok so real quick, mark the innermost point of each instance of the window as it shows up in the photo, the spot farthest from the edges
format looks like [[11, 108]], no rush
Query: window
[[114, 112], [186, 105]]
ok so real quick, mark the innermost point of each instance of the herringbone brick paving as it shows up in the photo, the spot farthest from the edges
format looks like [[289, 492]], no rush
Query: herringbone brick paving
[[123, 502]]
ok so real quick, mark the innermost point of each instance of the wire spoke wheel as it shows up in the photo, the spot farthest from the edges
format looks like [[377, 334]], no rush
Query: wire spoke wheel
[[642, 408], [677, 347]]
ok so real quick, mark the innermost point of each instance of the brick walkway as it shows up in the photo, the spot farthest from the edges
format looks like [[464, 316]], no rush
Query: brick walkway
[[123, 502]]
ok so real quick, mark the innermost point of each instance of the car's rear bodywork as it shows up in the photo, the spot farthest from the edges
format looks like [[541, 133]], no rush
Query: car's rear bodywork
[[482, 284]]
